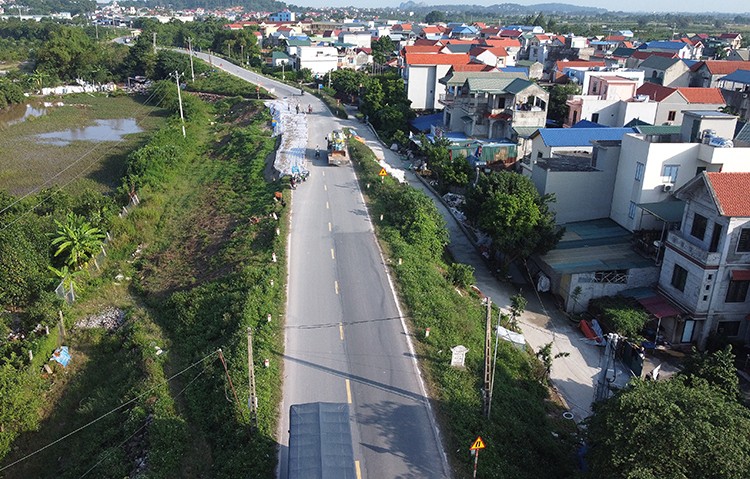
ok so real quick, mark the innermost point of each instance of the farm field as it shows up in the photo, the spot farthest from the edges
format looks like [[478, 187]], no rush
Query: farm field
[[82, 142]]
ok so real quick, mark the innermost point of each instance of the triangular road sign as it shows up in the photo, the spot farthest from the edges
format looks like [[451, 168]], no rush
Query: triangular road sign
[[478, 444], [383, 172]]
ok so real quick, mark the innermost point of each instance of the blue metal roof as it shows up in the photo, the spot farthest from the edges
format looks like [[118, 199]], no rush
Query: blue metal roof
[[515, 69], [666, 45], [423, 123], [587, 124], [739, 76], [557, 137]]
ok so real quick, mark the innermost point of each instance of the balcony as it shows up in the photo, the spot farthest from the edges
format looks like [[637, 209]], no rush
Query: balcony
[[678, 240], [446, 99]]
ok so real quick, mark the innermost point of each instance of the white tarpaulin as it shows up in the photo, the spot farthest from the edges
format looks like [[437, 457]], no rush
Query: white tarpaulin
[[511, 336], [291, 124]]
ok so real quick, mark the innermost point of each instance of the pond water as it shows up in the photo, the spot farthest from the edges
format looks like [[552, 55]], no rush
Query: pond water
[[18, 113], [102, 130]]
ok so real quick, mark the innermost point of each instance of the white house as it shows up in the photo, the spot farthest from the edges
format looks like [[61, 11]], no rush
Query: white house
[[706, 266], [319, 59], [422, 72]]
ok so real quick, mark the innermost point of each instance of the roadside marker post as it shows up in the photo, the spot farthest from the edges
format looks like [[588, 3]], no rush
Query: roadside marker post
[[475, 448]]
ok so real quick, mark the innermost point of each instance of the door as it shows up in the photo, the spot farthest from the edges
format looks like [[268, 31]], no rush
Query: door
[[687, 332]]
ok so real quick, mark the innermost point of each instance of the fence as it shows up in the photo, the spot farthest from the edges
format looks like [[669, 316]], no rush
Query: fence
[[66, 292]]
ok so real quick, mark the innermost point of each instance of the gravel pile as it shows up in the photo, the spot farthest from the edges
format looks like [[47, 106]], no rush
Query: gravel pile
[[109, 319]]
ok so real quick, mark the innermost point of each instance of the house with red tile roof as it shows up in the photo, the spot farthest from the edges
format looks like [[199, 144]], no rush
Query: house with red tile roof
[[639, 56], [493, 56], [732, 40], [673, 102], [565, 70], [512, 47], [706, 266], [422, 72], [708, 72]]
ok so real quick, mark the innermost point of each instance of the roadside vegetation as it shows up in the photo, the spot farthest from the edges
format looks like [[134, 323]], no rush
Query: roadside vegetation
[[519, 435], [189, 270]]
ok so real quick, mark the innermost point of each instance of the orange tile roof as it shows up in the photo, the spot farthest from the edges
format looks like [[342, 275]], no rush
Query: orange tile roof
[[655, 91], [422, 48], [503, 42], [437, 59], [722, 67], [431, 29], [614, 38], [702, 95], [425, 41], [730, 191]]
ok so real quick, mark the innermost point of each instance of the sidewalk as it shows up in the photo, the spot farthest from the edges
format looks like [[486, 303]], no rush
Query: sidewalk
[[574, 376]]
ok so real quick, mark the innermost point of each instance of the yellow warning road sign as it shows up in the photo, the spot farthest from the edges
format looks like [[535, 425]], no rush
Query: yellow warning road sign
[[383, 172], [478, 444]]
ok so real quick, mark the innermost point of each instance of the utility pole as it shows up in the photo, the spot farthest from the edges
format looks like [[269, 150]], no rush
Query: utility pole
[[190, 51], [488, 358], [96, 27], [179, 99], [252, 401], [154, 42], [494, 363], [283, 75]]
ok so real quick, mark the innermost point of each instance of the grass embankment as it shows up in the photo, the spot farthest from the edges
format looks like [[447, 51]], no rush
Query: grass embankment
[[29, 163], [204, 275], [519, 436]]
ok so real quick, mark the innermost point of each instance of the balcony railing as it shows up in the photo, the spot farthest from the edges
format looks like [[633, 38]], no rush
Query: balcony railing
[[446, 99], [678, 240]]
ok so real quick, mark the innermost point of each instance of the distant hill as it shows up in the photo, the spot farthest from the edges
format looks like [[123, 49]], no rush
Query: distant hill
[[42, 7], [250, 5], [507, 8]]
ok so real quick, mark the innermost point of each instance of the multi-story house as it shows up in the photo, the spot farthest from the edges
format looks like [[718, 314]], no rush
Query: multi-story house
[[422, 72], [735, 88], [492, 104], [706, 265], [672, 103], [708, 73], [671, 72], [610, 101]]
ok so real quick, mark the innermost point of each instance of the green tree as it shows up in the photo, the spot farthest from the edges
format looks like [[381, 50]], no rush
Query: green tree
[[373, 98], [417, 219], [716, 368], [68, 54], [382, 49], [435, 16], [141, 58], [508, 207], [77, 240], [558, 95], [669, 430]]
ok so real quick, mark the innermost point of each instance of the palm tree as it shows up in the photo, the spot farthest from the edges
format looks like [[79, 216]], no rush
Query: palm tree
[[38, 78], [78, 239]]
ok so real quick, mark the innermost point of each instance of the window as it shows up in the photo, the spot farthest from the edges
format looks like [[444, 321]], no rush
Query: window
[[670, 173], [737, 291], [698, 230], [728, 328], [671, 116], [595, 117], [639, 169], [631, 210], [743, 244], [715, 238], [679, 277]]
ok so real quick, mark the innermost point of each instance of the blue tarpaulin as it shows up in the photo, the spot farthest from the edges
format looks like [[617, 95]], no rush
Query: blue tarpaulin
[[61, 355], [423, 123]]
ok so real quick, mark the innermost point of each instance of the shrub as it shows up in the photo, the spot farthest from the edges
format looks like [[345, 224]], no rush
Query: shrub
[[620, 314], [461, 275]]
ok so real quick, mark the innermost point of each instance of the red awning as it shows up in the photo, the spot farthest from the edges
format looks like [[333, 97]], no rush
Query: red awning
[[740, 275], [659, 306]]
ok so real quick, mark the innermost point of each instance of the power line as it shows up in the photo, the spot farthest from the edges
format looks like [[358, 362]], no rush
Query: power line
[[200, 361], [145, 423]]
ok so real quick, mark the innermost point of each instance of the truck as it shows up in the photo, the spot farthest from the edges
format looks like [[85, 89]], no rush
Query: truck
[[320, 442], [338, 154]]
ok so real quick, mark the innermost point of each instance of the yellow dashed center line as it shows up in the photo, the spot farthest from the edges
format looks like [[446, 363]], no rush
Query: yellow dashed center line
[[329, 226], [336, 286], [327, 205], [333, 256], [357, 470], [348, 392], [341, 331]]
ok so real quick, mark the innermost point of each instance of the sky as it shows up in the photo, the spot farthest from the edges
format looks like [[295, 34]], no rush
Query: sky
[[725, 6]]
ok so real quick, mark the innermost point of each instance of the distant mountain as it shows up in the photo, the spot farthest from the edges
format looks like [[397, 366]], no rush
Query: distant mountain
[[249, 5], [507, 8]]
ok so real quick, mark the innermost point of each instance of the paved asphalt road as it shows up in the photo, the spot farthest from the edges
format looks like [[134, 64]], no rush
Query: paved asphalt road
[[346, 340]]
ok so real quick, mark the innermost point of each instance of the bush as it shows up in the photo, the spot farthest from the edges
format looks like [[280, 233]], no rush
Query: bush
[[620, 314], [461, 275]]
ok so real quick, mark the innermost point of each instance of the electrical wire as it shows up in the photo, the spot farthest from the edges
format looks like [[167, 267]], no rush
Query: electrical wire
[[146, 423], [200, 361]]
